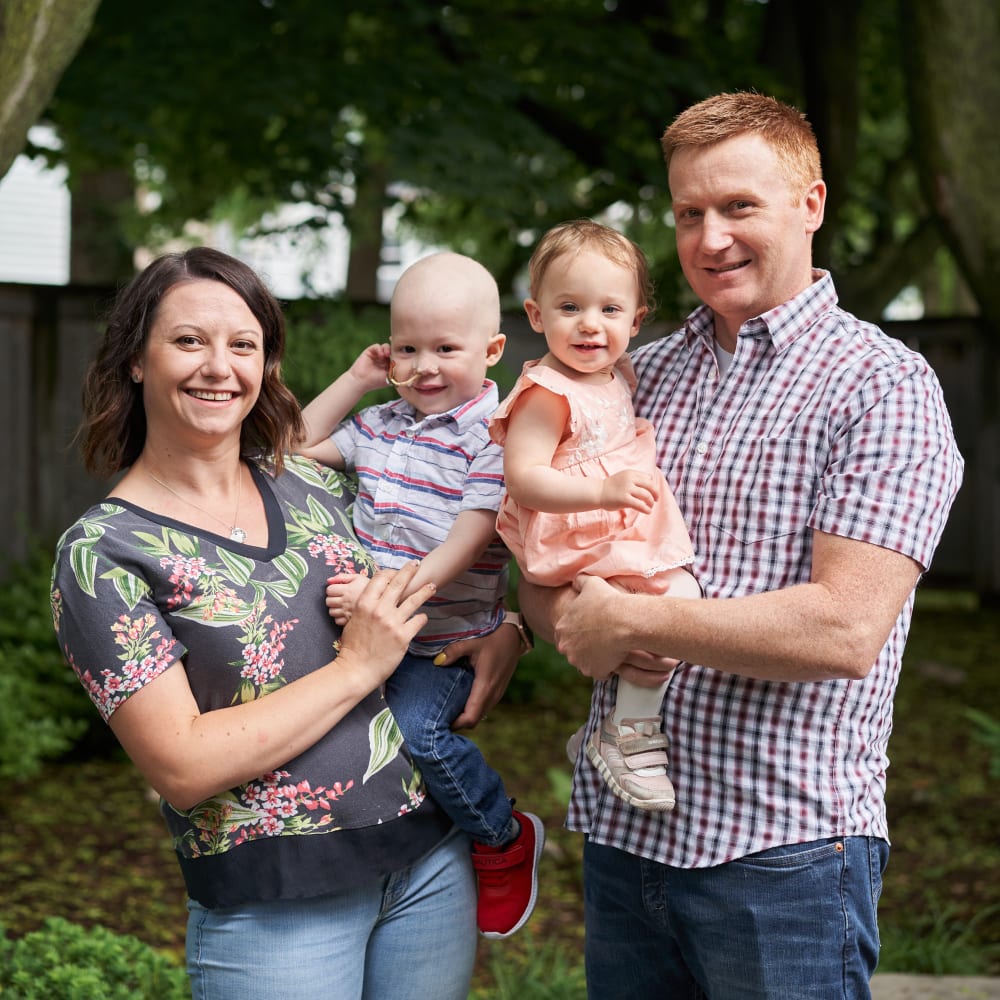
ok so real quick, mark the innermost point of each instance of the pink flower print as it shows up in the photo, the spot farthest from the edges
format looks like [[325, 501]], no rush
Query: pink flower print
[[336, 552], [185, 572], [262, 652]]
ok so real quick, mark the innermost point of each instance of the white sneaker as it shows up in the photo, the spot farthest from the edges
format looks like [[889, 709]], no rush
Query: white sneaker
[[632, 759]]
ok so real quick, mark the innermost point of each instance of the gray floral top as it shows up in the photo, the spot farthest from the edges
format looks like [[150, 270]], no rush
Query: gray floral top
[[135, 594]]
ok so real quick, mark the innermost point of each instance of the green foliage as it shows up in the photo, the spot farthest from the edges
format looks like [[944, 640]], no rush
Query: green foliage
[[535, 972], [44, 711], [987, 732], [938, 942], [63, 961], [324, 338]]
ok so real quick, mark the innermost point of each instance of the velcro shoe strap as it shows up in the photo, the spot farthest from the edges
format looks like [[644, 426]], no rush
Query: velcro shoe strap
[[493, 862], [632, 743], [655, 758]]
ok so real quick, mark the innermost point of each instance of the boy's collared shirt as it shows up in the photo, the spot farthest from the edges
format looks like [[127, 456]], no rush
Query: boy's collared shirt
[[415, 476]]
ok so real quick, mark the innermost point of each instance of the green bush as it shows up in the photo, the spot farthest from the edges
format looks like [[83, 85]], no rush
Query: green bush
[[324, 338], [44, 712], [63, 961]]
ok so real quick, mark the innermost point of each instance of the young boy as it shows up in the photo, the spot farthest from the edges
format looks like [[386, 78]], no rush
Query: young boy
[[430, 483]]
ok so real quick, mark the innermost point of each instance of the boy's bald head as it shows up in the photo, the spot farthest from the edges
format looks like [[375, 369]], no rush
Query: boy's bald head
[[452, 285]]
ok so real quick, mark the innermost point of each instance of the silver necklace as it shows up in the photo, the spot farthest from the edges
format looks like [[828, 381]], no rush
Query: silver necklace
[[236, 534]]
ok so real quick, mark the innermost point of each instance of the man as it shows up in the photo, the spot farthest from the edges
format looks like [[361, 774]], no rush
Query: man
[[814, 462]]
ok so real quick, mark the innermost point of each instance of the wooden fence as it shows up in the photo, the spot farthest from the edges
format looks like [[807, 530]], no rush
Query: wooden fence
[[49, 333]]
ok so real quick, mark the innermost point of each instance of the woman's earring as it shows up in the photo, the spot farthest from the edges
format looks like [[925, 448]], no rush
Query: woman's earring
[[136, 377]]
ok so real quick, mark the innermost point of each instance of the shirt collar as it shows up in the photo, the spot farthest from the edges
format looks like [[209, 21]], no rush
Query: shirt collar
[[463, 416], [784, 324]]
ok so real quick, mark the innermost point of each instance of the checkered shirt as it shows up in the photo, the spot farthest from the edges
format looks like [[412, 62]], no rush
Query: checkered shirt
[[822, 423], [414, 478]]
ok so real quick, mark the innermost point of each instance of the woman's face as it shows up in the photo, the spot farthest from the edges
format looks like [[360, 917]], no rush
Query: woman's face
[[202, 365]]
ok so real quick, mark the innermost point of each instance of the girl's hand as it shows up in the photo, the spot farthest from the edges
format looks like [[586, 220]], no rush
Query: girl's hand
[[630, 488], [384, 622], [342, 594]]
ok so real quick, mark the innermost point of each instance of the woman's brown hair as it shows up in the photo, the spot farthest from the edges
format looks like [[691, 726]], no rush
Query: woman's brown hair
[[113, 431]]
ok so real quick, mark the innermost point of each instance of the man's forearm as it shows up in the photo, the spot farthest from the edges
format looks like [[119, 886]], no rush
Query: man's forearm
[[543, 606]]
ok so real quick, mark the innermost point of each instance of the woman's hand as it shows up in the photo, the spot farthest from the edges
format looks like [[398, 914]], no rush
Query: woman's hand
[[494, 658], [384, 622]]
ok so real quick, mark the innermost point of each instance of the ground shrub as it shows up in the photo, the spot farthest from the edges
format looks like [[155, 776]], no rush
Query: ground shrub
[[63, 961]]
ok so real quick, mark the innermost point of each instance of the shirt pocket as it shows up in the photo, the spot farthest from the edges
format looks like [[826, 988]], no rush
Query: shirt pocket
[[770, 489]]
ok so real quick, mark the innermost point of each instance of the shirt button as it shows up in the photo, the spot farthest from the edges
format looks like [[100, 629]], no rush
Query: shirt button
[[701, 448]]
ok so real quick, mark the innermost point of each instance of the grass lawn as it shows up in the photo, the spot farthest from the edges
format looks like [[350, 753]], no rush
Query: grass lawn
[[84, 842]]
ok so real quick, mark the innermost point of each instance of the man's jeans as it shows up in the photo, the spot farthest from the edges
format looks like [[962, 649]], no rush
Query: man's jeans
[[425, 700], [788, 923]]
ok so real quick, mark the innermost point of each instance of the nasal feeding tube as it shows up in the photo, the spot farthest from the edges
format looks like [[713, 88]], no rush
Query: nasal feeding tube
[[391, 379]]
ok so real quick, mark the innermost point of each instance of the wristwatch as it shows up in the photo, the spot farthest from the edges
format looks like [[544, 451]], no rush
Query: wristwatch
[[523, 630]]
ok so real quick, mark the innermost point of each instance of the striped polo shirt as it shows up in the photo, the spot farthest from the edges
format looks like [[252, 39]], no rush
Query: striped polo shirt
[[821, 423], [415, 476]]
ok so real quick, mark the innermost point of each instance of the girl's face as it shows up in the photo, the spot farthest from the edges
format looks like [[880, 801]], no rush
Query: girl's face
[[588, 308], [202, 366]]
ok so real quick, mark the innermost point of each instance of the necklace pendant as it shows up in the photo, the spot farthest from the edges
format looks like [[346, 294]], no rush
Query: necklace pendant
[[237, 534]]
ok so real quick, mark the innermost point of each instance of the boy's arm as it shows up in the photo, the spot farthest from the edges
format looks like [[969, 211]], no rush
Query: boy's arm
[[472, 531], [535, 427], [337, 400]]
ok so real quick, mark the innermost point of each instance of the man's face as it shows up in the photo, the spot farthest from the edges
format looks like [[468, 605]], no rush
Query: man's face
[[744, 235]]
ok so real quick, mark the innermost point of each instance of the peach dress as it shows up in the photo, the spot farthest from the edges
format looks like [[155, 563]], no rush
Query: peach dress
[[604, 436]]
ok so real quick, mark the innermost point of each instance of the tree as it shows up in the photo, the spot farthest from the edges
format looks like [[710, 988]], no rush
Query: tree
[[953, 76], [493, 119], [38, 39]]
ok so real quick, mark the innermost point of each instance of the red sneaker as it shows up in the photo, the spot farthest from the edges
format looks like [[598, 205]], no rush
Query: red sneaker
[[508, 879]]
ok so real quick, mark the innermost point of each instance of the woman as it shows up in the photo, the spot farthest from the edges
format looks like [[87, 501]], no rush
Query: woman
[[191, 605]]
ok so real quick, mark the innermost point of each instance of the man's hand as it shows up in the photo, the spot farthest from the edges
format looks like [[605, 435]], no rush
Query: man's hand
[[592, 633], [494, 659]]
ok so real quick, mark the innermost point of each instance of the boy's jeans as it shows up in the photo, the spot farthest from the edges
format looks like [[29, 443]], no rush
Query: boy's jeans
[[425, 700]]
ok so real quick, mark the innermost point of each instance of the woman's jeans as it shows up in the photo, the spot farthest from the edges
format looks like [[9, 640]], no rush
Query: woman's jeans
[[425, 700], [792, 922], [411, 934]]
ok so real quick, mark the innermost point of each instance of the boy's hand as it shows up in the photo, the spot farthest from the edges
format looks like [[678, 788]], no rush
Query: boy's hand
[[629, 488], [371, 367], [342, 594]]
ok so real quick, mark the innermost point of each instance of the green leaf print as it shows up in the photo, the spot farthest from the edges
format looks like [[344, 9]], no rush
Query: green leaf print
[[384, 741], [240, 568], [84, 563], [293, 567], [167, 543], [329, 480], [131, 589], [206, 609]]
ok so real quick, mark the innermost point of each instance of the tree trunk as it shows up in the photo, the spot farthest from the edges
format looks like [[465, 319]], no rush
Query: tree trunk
[[38, 40], [952, 62], [98, 251], [365, 226]]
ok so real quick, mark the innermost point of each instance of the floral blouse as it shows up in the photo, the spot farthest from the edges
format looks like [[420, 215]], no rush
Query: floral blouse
[[135, 594]]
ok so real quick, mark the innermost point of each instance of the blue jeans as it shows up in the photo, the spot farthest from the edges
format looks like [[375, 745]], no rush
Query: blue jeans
[[409, 934], [425, 700], [795, 921]]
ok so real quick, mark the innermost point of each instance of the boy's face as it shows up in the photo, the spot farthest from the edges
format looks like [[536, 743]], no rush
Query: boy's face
[[447, 351]]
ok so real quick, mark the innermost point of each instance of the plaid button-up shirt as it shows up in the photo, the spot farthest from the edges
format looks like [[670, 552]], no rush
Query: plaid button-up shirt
[[821, 423], [415, 476]]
